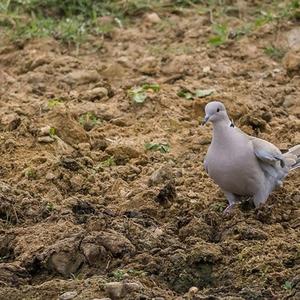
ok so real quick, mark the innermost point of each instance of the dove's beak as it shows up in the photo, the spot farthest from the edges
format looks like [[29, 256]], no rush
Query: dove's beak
[[205, 120]]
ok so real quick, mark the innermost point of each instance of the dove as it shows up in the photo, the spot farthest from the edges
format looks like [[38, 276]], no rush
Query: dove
[[243, 165]]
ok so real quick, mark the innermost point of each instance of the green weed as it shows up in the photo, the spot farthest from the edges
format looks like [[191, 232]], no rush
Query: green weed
[[120, 274], [89, 120], [109, 162], [30, 173], [161, 147], [54, 102], [288, 285], [199, 93], [139, 94], [274, 53], [220, 36]]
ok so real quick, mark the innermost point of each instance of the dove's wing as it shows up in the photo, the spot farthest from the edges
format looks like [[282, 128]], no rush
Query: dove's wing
[[267, 152], [269, 156]]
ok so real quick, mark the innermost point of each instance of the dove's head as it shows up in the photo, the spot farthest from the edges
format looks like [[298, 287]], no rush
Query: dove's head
[[215, 111]]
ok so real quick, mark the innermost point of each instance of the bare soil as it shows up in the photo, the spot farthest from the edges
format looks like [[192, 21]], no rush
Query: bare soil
[[88, 204]]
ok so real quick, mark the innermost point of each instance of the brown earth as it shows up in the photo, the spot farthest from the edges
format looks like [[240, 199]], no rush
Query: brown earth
[[73, 219]]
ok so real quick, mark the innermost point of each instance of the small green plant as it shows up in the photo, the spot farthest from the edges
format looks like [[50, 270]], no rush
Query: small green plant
[[54, 102], [220, 36], [264, 18], [30, 173], [109, 162], [89, 118], [52, 132], [274, 53], [288, 285], [120, 274], [139, 94], [161, 147], [49, 206], [190, 95]]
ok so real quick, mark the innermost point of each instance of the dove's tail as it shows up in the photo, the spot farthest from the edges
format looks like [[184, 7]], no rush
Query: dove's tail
[[292, 157]]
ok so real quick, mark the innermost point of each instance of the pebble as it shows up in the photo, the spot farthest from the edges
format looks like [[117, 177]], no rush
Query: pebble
[[152, 18], [68, 295], [45, 139], [115, 290], [96, 93], [81, 77], [161, 175]]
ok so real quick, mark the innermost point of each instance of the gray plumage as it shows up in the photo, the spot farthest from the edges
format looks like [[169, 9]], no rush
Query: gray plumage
[[243, 165]]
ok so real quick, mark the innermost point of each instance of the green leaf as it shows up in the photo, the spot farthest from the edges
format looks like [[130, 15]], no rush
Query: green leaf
[[184, 93], [163, 148], [52, 131], [204, 93], [155, 87], [287, 285], [216, 40], [139, 97]]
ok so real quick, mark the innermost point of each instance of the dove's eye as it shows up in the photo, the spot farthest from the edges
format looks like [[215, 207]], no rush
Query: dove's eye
[[218, 109]]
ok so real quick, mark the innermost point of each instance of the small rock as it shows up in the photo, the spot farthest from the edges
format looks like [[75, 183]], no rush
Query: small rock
[[96, 94], [115, 290], [67, 296], [122, 153], [132, 286], [289, 101], [206, 69], [114, 70], [70, 164], [76, 182], [291, 61], [293, 38], [148, 65], [161, 175], [166, 195], [45, 139], [152, 18], [193, 290], [81, 77], [11, 121], [84, 147], [50, 176], [44, 131]]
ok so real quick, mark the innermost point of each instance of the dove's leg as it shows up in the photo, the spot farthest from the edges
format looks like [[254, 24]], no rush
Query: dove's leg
[[232, 200]]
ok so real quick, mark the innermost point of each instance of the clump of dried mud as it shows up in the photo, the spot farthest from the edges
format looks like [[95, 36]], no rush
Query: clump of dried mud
[[83, 203]]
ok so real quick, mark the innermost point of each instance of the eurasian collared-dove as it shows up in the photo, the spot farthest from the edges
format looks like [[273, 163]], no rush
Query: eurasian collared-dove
[[243, 165]]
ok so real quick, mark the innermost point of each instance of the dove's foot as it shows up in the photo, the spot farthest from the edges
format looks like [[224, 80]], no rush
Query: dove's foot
[[229, 208]]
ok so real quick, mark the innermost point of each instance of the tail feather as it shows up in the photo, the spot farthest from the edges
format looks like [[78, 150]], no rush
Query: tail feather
[[292, 157]]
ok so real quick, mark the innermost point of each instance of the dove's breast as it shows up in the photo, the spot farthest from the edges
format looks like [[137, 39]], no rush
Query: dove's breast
[[234, 167]]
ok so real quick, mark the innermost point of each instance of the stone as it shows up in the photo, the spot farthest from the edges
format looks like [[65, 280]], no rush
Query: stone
[[79, 77], [116, 243], [45, 139], [293, 38], [113, 70], [291, 61], [289, 100], [122, 153], [152, 18], [68, 295], [161, 175], [148, 65], [115, 290], [43, 131], [65, 263], [10, 121], [96, 94]]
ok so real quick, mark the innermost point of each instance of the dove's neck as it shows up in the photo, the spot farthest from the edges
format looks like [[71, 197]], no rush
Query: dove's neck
[[221, 129]]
